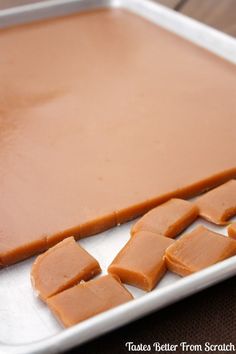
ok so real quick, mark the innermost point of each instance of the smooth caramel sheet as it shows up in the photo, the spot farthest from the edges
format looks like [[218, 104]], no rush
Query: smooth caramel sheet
[[103, 115]]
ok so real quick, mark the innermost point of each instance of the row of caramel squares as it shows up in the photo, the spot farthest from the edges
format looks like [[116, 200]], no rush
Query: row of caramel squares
[[61, 276]]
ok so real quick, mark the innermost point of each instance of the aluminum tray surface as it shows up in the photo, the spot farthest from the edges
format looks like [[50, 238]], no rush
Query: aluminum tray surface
[[27, 325]]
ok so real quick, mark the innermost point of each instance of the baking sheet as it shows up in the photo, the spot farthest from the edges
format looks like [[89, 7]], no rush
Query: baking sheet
[[26, 324]]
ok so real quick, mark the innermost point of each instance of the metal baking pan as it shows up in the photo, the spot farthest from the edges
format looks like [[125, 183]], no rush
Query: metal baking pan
[[26, 324]]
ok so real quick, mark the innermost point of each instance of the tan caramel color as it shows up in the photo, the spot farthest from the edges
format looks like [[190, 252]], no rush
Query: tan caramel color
[[197, 250], [219, 204], [168, 219], [88, 299], [61, 267], [232, 230], [103, 116], [141, 261]]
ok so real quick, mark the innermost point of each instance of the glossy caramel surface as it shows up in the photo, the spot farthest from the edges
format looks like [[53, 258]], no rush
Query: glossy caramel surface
[[197, 250], [232, 230], [61, 267], [141, 261], [219, 204], [88, 299], [167, 219], [103, 115]]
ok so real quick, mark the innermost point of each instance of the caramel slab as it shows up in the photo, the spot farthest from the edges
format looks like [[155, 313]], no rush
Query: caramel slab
[[141, 261], [99, 137], [197, 250], [219, 204], [232, 230], [61, 267], [88, 299], [168, 219]]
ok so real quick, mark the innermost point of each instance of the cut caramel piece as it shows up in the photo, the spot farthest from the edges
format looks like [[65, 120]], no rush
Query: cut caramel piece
[[219, 204], [168, 219], [232, 230], [141, 261], [197, 250], [61, 267], [88, 299]]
